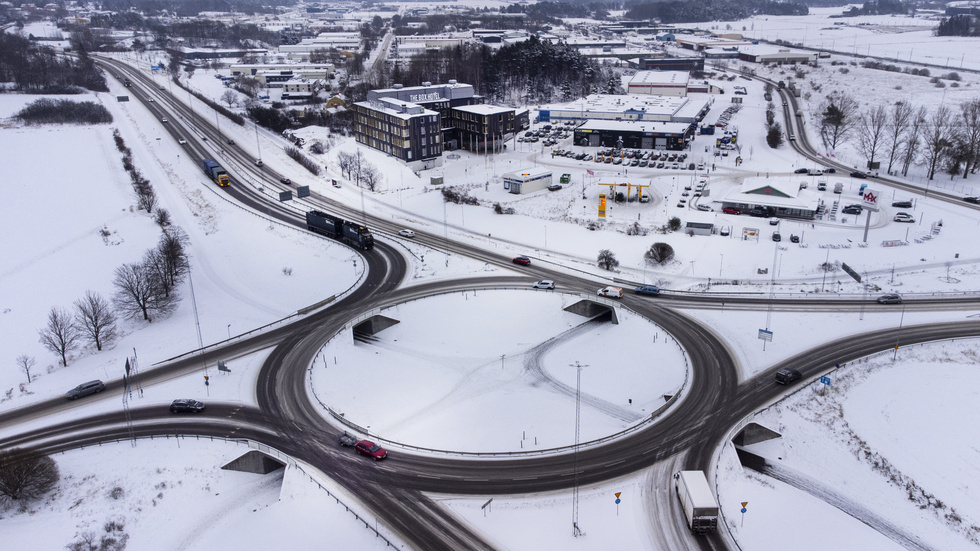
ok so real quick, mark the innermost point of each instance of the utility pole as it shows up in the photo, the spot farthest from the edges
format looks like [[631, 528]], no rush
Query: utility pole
[[576, 531]]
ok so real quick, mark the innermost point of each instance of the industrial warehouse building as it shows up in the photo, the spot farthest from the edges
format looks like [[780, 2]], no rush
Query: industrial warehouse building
[[634, 135], [659, 83], [634, 107]]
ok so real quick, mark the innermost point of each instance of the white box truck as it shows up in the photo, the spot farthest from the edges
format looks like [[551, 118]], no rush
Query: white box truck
[[700, 507]]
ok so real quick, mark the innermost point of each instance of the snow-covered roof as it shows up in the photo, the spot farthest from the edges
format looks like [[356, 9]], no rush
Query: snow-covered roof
[[483, 109]]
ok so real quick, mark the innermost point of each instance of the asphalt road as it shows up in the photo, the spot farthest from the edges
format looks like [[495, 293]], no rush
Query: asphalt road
[[287, 419]]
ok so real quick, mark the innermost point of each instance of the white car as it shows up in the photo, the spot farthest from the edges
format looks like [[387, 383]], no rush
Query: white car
[[164, 119], [181, 141], [151, 100], [544, 284], [704, 207], [903, 217], [406, 233]]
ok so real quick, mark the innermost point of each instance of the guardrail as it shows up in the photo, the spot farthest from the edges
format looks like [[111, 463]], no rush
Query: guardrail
[[350, 425]]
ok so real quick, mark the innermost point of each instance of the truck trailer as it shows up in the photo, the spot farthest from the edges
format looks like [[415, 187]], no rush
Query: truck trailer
[[216, 173], [351, 233], [700, 507]]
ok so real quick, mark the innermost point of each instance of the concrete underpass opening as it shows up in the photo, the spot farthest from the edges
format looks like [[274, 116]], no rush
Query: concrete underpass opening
[[753, 433], [594, 311], [254, 462], [373, 325]]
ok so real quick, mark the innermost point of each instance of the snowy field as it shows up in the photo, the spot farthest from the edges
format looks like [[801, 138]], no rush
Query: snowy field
[[237, 260]]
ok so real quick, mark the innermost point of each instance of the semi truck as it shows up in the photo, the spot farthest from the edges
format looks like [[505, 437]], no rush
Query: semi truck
[[700, 507], [337, 228], [216, 173]]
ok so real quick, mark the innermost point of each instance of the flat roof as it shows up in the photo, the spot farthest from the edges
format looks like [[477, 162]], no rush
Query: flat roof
[[483, 109], [636, 126], [394, 107], [677, 78], [655, 105], [525, 173]]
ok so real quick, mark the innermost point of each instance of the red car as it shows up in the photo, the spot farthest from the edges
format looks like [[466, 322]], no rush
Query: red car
[[522, 260], [730, 210], [370, 449]]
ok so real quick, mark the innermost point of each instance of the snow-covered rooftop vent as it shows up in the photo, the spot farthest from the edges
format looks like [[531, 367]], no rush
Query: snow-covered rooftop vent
[[397, 86]]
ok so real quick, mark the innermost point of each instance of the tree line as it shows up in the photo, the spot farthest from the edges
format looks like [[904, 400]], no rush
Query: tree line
[[958, 25], [945, 140], [694, 11], [37, 69], [63, 111]]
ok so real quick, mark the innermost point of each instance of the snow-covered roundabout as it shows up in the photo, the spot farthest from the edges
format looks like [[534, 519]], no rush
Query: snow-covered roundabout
[[474, 372]]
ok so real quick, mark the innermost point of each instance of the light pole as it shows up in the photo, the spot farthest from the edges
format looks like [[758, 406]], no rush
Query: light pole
[[721, 264], [576, 531], [257, 146], [899, 334], [229, 331]]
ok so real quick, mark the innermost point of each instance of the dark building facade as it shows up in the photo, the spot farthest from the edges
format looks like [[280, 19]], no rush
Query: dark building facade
[[401, 129]]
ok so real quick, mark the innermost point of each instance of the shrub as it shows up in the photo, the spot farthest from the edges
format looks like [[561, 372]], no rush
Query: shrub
[[674, 223], [302, 160], [606, 260], [63, 111], [659, 253]]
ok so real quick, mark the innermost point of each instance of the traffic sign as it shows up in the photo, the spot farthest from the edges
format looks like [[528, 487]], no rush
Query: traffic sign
[[744, 503], [765, 335], [825, 380], [618, 494], [744, 510]]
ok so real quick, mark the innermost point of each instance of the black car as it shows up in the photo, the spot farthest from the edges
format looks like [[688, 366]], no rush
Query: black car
[[830, 171], [974, 200], [800, 171], [286, 181], [186, 406], [902, 204], [794, 238], [787, 376], [554, 187], [231, 142], [346, 440], [858, 174], [776, 237], [852, 209]]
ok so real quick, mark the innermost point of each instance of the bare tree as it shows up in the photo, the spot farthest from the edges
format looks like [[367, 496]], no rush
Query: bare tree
[[970, 134], [59, 335], [913, 139], [938, 138], [139, 291], [26, 474], [606, 260], [345, 161], [659, 253], [26, 363], [838, 118], [174, 255], [229, 97], [95, 318], [872, 132], [371, 177], [901, 117]]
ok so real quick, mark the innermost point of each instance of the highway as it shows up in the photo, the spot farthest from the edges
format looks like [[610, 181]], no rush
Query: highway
[[286, 418]]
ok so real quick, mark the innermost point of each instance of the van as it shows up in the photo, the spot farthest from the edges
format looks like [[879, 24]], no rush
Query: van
[[821, 185], [612, 292], [838, 187]]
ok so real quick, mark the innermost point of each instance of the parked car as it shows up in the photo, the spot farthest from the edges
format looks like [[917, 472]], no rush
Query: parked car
[[705, 208], [830, 171], [890, 299], [522, 260], [787, 376], [370, 449], [554, 187], [858, 174], [800, 171], [815, 172], [406, 233], [793, 238], [903, 217], [85, 389], [902, 204], [651, 290], [852, 209], [731, 210], [544, 284], [776, 237], [186, 406]]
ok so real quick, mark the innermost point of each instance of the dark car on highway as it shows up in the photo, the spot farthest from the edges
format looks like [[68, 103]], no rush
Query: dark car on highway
[[858, 174], [370, 449], [890, 299], [186, 406], [85, 389], [974, 200], [346, 440], [651, 290], [522, 260], [787, 376]]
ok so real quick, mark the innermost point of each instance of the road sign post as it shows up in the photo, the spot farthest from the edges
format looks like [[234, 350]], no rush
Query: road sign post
[[617, 502], [744, 510]]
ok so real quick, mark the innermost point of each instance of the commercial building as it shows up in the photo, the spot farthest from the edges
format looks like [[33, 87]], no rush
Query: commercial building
[[301, 70], [782, 198], [482, 127], [527, 180], [406, 131], [634, 134], [670, 63], [659, 83], [634, 107]]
